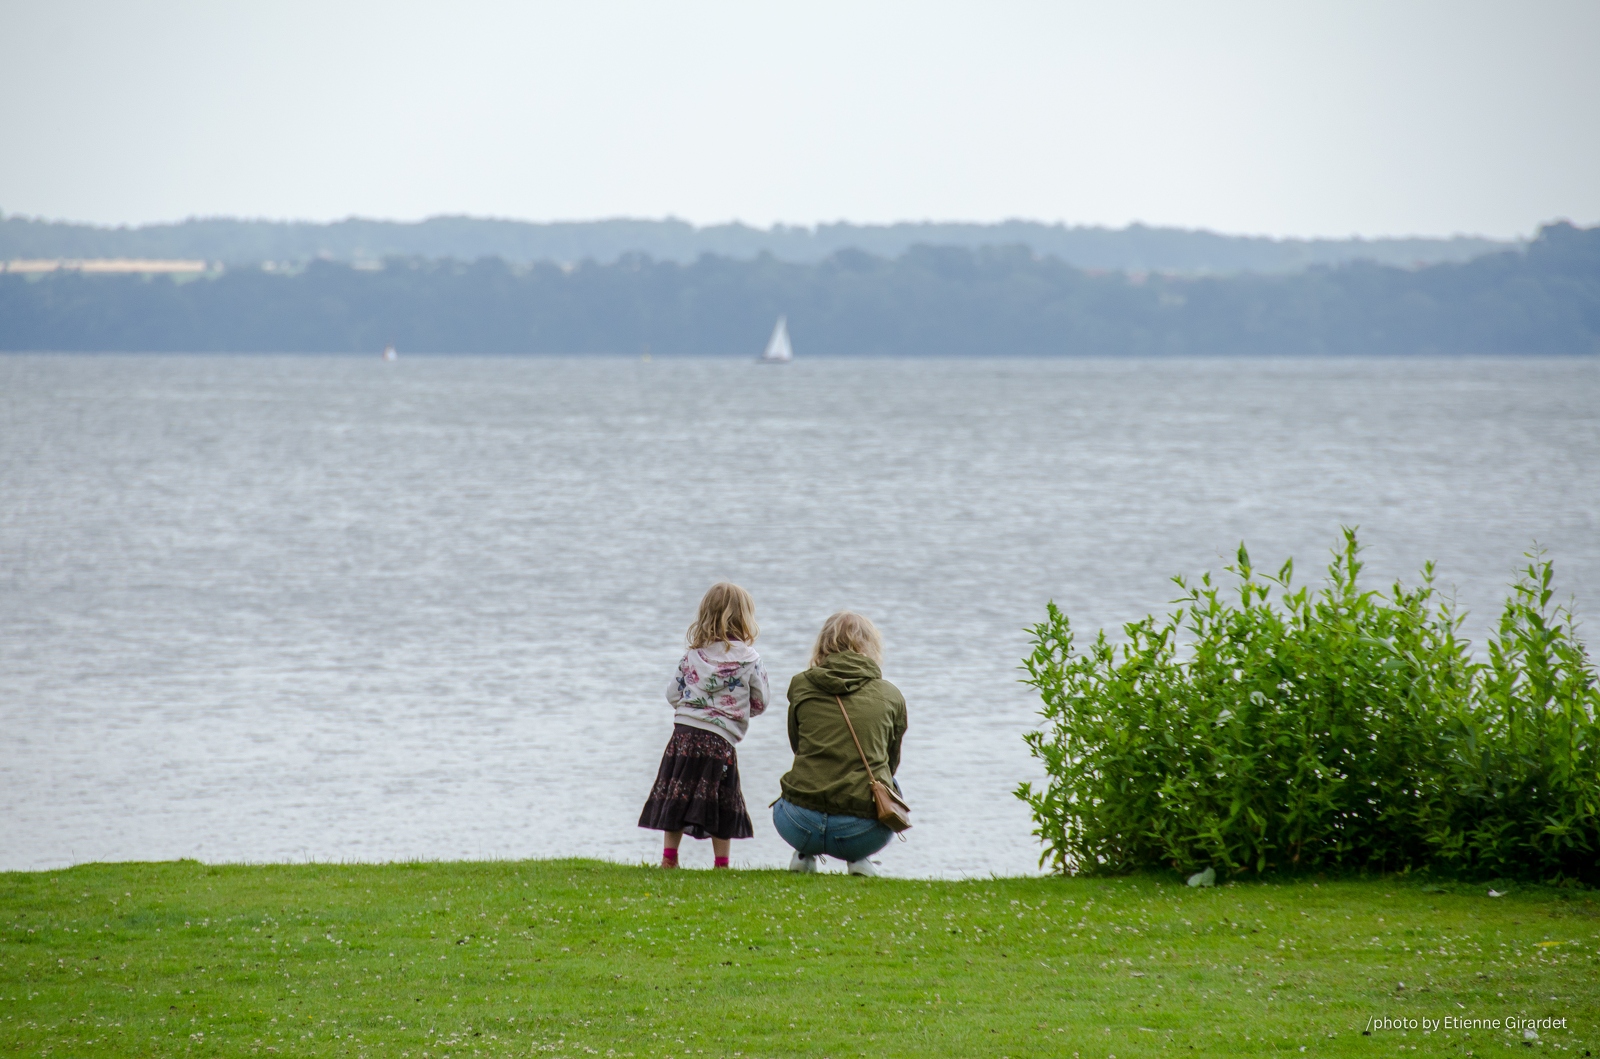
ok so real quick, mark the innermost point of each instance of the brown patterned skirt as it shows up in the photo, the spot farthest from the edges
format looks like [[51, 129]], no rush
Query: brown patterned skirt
[[697, 788]]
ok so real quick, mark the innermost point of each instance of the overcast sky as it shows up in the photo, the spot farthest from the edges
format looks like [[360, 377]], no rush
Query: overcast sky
[[1283, 118]]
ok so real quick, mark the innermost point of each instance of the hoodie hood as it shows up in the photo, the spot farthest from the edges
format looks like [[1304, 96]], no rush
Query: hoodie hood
[[844, 673], [726, 651]]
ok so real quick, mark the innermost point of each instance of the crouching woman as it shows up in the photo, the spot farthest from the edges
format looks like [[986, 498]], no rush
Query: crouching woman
[[827, 806]]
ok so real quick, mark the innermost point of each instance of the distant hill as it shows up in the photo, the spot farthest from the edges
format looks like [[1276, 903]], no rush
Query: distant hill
[[929, 300], [242, 242]]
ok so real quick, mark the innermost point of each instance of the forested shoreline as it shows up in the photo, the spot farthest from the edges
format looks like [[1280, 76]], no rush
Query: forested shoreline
[[927, 301], [240, 242]]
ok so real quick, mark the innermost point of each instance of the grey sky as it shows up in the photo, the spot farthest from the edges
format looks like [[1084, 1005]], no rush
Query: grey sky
[[1280, 118]]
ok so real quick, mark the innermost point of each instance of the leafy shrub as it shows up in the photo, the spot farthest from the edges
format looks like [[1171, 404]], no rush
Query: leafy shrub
[[1337, 729]]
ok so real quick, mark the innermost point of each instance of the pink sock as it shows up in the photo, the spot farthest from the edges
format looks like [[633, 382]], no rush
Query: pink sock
[[670, 854], [721, 862]]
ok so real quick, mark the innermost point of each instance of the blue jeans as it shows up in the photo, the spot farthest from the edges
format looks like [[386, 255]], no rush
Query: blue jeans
[[811, 832]]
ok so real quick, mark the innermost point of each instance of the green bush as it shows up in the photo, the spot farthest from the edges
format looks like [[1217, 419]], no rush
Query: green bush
[[1276, 728]]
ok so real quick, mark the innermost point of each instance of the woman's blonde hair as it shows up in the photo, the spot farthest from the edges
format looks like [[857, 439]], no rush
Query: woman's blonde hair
[[848, 631], [726, 613]]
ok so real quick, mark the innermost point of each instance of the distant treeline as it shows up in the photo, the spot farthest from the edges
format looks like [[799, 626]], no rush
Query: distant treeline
[[929, 300], [240, 242]]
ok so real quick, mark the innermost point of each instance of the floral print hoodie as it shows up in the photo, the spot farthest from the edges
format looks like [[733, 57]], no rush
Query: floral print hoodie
[[719, 687]]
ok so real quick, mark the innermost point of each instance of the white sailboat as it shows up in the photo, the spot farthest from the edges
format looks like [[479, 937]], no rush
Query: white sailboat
[[778, 349]]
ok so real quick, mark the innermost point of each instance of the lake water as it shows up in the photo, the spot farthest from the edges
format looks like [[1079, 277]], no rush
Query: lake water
[[280, 608]]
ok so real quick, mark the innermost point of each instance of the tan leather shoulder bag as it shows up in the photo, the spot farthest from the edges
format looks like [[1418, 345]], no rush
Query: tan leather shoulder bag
[[893, 812]]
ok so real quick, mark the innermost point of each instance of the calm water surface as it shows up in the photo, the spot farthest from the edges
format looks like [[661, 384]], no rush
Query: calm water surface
[[283, 608]]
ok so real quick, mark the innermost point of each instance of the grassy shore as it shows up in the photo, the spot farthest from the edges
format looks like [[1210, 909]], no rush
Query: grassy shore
[[576, 958]]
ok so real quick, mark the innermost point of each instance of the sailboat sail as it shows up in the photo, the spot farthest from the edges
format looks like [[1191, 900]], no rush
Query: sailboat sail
[[778, 348]]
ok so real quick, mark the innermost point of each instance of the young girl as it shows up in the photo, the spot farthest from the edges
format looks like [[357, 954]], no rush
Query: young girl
[[719, 686]]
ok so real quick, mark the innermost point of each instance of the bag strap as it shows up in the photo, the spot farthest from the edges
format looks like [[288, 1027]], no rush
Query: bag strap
[[871, 779]]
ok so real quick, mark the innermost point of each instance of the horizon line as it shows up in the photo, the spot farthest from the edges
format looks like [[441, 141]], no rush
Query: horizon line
[[783, 226]]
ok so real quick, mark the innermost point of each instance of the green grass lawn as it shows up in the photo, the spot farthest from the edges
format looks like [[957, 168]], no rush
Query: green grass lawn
[[576, 958]]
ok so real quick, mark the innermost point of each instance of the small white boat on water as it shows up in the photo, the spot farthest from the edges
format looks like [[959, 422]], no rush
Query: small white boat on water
[[778, 349], [389, 353]]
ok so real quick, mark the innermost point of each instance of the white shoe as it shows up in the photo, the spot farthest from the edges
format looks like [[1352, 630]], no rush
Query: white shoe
[[863, 867], [803, 865]]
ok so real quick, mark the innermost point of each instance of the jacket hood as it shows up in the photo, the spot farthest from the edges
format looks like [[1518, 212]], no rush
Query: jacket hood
[[726, 651], [844, 673]]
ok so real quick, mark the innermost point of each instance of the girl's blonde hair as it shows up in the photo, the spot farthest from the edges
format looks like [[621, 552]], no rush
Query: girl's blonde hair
[[848, 631], [726, 613]]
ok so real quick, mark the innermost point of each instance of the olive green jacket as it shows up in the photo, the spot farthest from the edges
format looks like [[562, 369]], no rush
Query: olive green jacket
[[827, 775]]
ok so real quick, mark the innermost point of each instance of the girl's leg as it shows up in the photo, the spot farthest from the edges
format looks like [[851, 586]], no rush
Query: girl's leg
[[719, 850], [669, 848]]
